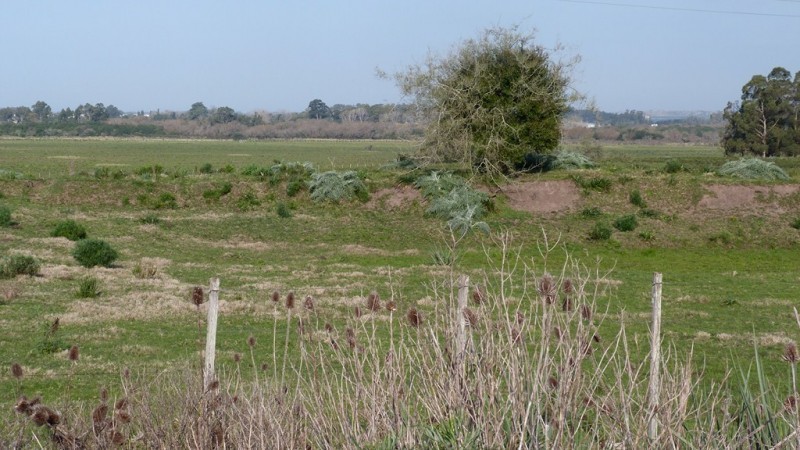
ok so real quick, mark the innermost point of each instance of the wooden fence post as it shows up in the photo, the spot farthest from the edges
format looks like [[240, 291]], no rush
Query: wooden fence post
[[655, 359], [461, 320], [211, 332]]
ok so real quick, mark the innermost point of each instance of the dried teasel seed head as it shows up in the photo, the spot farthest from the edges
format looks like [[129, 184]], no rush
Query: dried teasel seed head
[[373, 301], [552, 383], [121, 404], [126, 374], [566, 304], [122, 416], [567, 287], [546, 285], [334, 344], [478, 295], [23, 406], [472, 318], [357, 312], [328, 327], [557, 333], [251, 341], [351, 337], [197, 295], [516, 336], [264, 367], [237, 357], [74, 353], [54, 326], [596, 338], [99, 414], [276, 296], [309, 303], [790, 403], [214, 385], [391, 306], [117, 438], [16, 370], [586, 313], [104, 395], [414, 317], [520, 318], [40, 416], [290, 300], [790, 353]]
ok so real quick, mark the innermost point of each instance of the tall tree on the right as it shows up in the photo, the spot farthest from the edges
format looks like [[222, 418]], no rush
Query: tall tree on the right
[[765, 121]]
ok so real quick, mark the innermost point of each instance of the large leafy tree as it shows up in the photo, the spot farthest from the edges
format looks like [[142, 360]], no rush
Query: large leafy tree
[[492, 100], [317, 109], [765, 121]]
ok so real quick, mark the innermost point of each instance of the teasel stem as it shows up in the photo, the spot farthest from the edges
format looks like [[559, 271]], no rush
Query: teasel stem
[[251, 343], [286, 343]]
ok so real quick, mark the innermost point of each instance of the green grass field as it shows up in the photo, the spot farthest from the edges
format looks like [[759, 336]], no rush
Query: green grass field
[[730, 276]]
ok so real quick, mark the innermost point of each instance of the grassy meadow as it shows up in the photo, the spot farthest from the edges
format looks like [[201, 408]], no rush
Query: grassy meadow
[[180, 212]]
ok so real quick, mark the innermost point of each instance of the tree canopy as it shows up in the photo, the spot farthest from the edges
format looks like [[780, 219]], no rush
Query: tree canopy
[[491, 101], [766, 121]]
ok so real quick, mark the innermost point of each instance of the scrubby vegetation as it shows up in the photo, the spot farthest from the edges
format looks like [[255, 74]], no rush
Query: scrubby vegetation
[[94, 252], [753, 169], [70, 230]]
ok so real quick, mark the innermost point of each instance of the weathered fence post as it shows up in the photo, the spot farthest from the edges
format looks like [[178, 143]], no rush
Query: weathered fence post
[[655, 359], [211, 332], [461, 319]]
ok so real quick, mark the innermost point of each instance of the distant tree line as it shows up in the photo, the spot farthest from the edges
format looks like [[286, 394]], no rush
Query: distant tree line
[[627, 118], [766, 121]]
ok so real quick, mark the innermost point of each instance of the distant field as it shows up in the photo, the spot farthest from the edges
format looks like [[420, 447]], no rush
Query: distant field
[[52, 157], [730, 275]]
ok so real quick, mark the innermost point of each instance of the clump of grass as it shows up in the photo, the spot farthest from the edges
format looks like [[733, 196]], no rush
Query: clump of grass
[[335, 186], [591, 212], [51, 341], [145, 270], [599, 184], [165, 200], [283, 211], [753, 169], [206, 168], [150, 219], [94, 252], [218, 192], [600, 232], [88, 287], [70, 230], [649, 213], [627, 222], [636, 199], [5, 216], [247, 201], [572, 160], [647, 235], [13, 265], [796, 224]]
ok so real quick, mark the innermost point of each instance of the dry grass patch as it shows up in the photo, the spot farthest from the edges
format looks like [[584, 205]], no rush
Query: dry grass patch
[[132, 306]]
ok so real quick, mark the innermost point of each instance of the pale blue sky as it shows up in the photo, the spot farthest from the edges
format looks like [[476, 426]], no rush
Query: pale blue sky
[[279, 55]]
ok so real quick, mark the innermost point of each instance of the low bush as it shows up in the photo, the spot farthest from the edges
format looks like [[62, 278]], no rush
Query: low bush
[[165, 201], [70, 230], [627, 222], [219, 192], [600, 232], [247, 201], [206, 168], [753, 169], [649, 213], [673, 166], [94, 252], [13, 265], [796, 224], [537, 162], [571, 161], [335, 186]]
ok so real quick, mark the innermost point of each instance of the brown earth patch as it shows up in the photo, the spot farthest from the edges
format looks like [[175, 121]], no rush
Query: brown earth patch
[[552, 196], [736, 197], [394, 197]]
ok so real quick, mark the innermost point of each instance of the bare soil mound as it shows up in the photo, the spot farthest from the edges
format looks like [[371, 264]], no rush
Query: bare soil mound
[[394, 197], [552, 196], [742, 197]]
